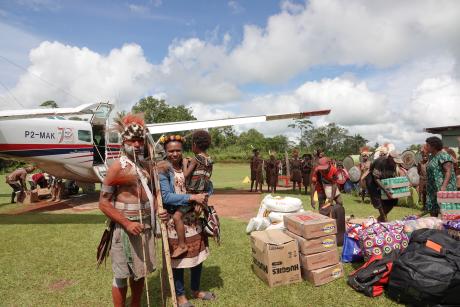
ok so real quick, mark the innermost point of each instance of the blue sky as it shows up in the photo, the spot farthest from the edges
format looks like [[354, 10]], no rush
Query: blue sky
[[366, 60], [102, 25]]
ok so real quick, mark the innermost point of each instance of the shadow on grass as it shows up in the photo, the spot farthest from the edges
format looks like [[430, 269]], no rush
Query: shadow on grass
[[210, 278], [43, 218]]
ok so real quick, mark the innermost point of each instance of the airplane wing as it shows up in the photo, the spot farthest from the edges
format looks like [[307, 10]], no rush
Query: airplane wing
[[203, 124], [33, 113]]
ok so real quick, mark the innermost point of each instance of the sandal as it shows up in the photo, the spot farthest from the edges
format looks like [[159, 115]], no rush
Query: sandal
[[208, 296]]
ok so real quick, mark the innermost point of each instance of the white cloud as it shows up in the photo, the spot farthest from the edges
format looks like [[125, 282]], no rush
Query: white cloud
[[412, 47], [71, 75], [341, 32], [235, 7], [14, 58], [39, 5], [138, 9], [206, 112], [186, 73], [436, 101]]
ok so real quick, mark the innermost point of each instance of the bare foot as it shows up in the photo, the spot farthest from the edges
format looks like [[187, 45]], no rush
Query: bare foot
[[179, 251]]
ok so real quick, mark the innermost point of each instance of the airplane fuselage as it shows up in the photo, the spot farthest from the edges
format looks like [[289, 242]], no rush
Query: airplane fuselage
[[62, 148]]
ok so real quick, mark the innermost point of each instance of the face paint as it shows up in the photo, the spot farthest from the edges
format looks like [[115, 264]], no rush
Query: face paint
[[129, 149]]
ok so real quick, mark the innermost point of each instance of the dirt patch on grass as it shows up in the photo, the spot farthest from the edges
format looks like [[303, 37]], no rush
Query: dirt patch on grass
[[235, 204], [61, 285], [240, 205], [82, 202]]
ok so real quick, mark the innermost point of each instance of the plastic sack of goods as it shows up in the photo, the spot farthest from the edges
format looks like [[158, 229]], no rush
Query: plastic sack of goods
[[424, 222], [271, 212]]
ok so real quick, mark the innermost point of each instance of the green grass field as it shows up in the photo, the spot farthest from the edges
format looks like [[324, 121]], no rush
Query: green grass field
[[48, 259]]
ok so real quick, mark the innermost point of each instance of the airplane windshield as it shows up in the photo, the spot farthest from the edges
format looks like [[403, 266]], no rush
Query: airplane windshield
[[102, 111]]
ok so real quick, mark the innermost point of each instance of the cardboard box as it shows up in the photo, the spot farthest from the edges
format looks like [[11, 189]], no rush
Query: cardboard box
[[275, 257], [316, 245], [396, 195], [446, 197], [310, 225], [319, 260], [322, 276]]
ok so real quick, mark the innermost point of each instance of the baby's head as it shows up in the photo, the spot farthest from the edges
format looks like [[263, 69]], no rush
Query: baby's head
[[201, 140]]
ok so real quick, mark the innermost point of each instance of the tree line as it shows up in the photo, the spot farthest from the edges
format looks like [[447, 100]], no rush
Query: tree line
[[230, 146]]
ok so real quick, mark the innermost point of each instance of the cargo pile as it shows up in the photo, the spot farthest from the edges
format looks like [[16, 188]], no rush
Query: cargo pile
[[449, 203], [271, 212], [315, 236]]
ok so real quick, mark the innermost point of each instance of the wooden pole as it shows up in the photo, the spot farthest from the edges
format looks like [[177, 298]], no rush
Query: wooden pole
[[164, 231]]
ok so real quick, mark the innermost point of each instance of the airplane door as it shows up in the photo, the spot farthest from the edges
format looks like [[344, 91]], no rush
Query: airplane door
[[99, 122]]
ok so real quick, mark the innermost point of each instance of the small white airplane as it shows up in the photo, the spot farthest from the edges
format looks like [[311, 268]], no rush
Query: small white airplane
[[67, 149]]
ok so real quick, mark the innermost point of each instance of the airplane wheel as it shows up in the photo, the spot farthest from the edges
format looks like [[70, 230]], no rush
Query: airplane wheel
[[88, 188]]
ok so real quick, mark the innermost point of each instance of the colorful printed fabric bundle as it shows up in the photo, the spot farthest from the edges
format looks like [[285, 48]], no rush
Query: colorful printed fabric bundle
[[382, 238], [453, 228]]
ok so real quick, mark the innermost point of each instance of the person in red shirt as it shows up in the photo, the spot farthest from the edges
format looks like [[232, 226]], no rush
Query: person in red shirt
[[324, 182]]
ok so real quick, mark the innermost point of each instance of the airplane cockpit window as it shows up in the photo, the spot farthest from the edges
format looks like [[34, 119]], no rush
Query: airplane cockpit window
[[84, 135], [113, 137]]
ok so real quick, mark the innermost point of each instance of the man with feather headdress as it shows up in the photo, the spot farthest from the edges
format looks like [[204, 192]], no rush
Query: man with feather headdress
[[129, 203]]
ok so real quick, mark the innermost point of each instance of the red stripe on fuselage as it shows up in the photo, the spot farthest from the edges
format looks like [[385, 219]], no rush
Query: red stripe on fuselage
[[4, 147]]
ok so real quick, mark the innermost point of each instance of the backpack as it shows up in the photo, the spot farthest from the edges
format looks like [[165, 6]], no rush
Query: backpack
[[428, 271], [373, 276]]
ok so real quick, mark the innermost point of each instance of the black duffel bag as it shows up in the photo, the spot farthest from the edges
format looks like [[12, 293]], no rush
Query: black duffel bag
[[428, 271]]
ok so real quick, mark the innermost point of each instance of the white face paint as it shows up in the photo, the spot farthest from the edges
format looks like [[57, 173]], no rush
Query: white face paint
[[129, 149], [133, 152]]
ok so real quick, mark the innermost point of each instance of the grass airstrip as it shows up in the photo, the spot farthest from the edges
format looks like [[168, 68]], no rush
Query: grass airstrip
[[48, 259]]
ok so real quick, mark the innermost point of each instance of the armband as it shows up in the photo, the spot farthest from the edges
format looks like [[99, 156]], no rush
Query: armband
[[107, 188]]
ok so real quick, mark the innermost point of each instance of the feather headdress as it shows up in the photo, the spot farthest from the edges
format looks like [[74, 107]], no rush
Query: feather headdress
[[130, 126]]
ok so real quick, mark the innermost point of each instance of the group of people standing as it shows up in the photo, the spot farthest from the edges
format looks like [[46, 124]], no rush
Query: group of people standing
[[128, 200], [437, 171], [298, 168]]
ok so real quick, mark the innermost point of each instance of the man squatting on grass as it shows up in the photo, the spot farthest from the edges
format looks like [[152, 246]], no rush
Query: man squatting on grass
[[17, 180], [122, 197]]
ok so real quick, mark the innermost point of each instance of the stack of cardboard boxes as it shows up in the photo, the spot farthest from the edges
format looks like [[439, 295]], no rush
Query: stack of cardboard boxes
[[275, 257], [315, 235]]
